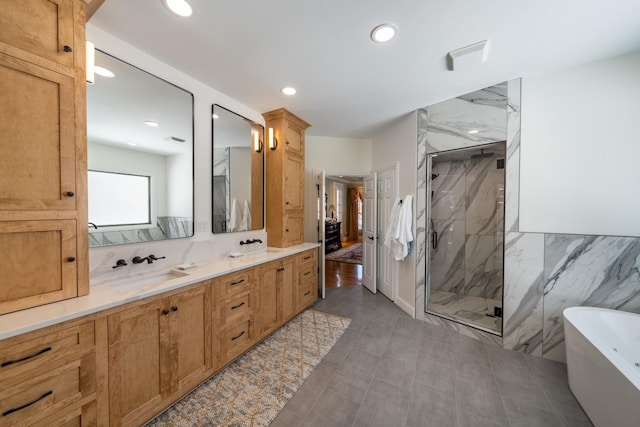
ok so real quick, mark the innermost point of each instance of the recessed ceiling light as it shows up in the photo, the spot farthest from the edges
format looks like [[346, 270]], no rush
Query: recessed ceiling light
[[101, 71], [288, 90], [179, 7], [383, 33], [152, 123], [472, 131], [215, 116]]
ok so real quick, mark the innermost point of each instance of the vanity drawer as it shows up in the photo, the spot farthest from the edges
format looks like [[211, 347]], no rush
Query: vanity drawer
[[307, 275], [236, 307], [24, 357], [235, 283], [235, 339], [306, 293], [44, 395], [308, 259]]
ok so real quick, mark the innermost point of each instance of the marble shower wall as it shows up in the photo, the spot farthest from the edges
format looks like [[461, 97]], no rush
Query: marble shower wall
[[544, 273], [167, 227], [467, 210]]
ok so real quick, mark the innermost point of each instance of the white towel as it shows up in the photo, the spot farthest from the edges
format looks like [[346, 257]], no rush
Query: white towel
[[245, 223], [236, 216], [398, 234]]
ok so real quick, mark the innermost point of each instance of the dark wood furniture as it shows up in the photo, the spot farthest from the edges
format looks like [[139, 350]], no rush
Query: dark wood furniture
[[332, 236]]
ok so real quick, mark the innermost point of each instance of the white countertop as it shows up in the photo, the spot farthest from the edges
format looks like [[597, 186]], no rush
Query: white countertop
[[106, 295]]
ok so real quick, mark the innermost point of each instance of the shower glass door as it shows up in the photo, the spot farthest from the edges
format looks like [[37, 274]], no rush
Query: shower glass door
[[466, 236]]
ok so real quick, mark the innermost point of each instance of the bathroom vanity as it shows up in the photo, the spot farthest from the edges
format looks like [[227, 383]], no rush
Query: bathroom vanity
[[131, 348]]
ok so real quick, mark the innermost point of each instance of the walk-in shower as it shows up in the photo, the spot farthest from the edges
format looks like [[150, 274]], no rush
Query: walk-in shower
[[466, 235]]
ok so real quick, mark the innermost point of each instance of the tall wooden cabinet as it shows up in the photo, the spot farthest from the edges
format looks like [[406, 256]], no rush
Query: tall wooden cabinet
[[285, 179], [43, 219]]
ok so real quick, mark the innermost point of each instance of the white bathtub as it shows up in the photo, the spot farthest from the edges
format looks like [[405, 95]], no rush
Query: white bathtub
[[603, 363]]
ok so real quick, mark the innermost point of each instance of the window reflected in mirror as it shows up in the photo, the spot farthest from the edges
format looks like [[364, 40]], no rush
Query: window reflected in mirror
[[238, 172], [139, 154]]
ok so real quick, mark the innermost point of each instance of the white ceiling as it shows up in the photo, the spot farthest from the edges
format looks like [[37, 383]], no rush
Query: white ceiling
[[349, 86]]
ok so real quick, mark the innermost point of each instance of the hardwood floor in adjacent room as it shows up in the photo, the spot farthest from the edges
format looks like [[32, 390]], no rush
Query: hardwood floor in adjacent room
[[340, 274]]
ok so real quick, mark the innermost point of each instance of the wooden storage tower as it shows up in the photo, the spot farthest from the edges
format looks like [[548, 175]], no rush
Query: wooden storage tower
[[285, 179], [43, 165]]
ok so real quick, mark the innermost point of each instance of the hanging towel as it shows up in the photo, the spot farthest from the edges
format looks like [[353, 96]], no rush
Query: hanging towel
[[245, 223], [399, 234], [236, 216]]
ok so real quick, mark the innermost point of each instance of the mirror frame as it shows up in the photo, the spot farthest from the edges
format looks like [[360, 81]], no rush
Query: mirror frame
[[213, 176], [126, 238]]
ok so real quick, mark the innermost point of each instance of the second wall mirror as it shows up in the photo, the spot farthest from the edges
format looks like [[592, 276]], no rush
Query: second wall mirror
[[238, 172]]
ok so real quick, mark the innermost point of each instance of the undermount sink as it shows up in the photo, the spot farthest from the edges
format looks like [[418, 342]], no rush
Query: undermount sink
[[146, 280]]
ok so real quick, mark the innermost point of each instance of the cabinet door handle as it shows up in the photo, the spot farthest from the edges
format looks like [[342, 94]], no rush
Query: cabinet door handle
[[174, 308], [11, 362], [286, 142], [307, 257], [238, 336], [69, 194], [237, 282], [307, 293], [71, 259], [165, 311], [280, 269], [26, 405], [307, 273], [287, 230], [237, 306], [67, 48]]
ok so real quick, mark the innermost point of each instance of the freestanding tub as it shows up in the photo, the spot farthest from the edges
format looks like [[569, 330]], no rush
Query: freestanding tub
[[603, 363]]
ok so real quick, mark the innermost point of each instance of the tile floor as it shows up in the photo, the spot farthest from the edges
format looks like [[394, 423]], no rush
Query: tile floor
[[390, 370]]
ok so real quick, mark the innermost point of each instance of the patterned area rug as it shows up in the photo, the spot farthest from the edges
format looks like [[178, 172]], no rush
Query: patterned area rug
[[253, 389], [351, 254]]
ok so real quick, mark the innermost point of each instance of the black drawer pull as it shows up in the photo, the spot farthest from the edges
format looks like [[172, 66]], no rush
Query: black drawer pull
[[67, 48], [237, 282], [11, 362], [237, 306], [236, 337], [280, 269], [307, 273], [174, 308], [71, 259], [11, 411], [286, 203], [307, 293], [165, 311], [307, 257], [69, 194]]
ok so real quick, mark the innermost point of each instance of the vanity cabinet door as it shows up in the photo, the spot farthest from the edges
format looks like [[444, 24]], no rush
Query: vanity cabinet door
[[294, 139], [138, 362], [287, 289], [268, 293], [294, 183], [190, 322]]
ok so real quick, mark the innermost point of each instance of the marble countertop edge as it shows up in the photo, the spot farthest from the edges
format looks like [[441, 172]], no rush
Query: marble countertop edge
[[103, 297]]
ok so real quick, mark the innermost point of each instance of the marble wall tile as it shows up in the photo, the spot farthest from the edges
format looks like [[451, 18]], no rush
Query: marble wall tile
[[447, 259], [523, 292], [448, 188], [512, 178], [483, 266], [485, 195], [598, 271]]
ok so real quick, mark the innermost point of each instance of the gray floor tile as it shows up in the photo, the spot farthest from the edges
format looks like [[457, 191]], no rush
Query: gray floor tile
[[380, 392], [383, 414], [522, 414], [466, 419], [394, 373], [332, 409], [430, 407], [286, 418]]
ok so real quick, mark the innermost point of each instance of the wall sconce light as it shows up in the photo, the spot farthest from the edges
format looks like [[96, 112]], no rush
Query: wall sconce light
[[257, 144], [91, 60], [273, 141]]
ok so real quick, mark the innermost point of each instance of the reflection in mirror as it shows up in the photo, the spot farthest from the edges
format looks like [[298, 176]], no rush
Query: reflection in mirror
[[238, 172], [140, 156]]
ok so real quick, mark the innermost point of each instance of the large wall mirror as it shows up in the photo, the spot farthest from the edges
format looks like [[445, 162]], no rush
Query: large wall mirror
[[140, 156], [238, 172]]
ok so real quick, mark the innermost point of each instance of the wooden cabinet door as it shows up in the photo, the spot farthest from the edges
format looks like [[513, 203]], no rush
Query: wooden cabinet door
[[41, 27], [294, 183], [294, 228], [294, 139], [138, 362], [38, 263], [190, 337], [267, 318], [286, 288], [37, 167]]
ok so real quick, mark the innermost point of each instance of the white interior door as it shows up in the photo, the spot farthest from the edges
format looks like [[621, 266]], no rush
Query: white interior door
[[322, 213], [369, 232], [386, 265]]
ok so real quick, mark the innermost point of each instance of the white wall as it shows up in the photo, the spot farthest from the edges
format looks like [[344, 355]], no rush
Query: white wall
[[580, 150], [336, 156], [397, 143]]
